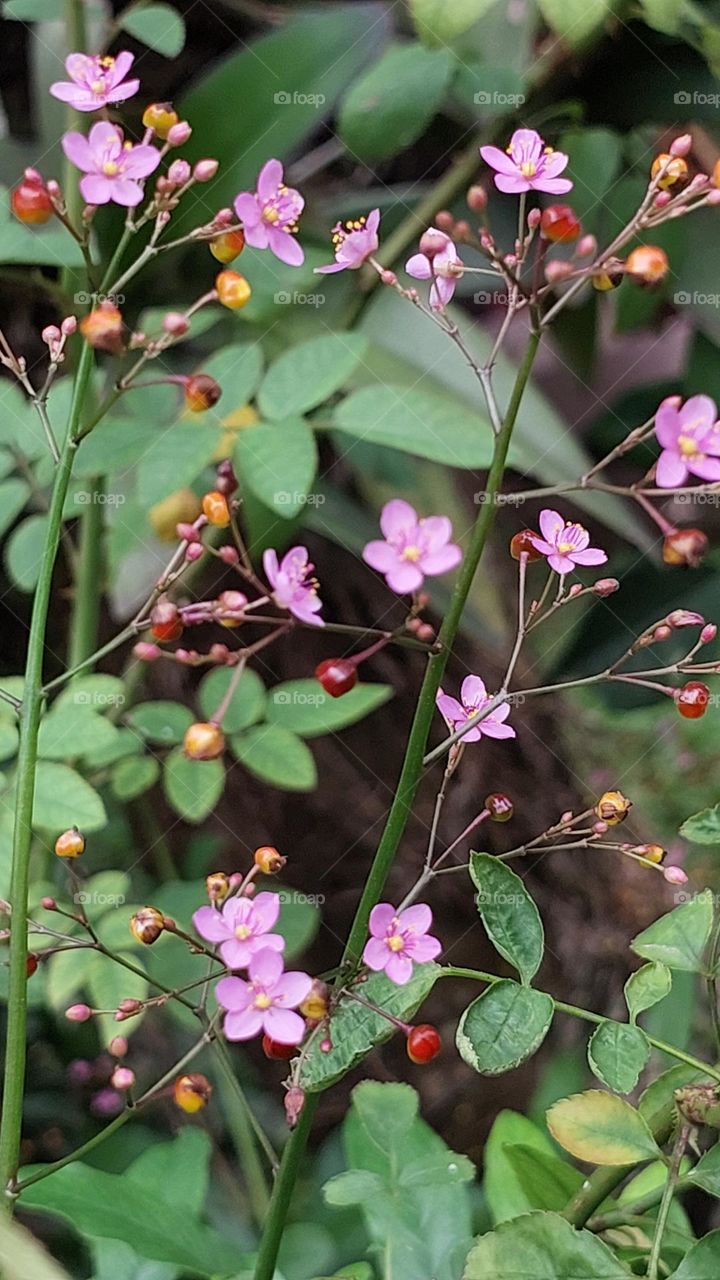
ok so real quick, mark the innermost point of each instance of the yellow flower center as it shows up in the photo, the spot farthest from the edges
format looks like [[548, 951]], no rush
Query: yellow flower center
[[528, 169], [97, 86], [396, 943], [242, 932], [262, 1001], [412, 554], [271, 215], [110, 168], [564, 547], [688, 446]]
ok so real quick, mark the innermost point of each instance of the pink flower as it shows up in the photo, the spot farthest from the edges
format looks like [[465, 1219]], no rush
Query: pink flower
[[265, 1001], [111, 167], [398, 940], [443, 268], [353, 242], [293, 589], [565, 544], [413, 548], [527, 165], [473, 698], [690, 439], [95, 82], [269, 215], [241, 928]]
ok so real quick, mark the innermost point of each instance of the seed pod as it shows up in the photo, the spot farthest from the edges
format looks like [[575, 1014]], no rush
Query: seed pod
[[675, 171], [147, 925], [685, 547], [71, 844], [160, 117], [204, 741], [102, 328], [30, 200], [217, 886], [201, 392], [227, 246], [648, 264], [500, 806], [192, 1092], [268, 860], [613, 808], [215, 509]]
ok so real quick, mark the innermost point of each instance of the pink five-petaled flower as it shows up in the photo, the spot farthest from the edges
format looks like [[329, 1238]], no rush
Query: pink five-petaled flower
[[293, 588], [444, 269], [565, 543], [353, 242], [690, 439], [527, 165], [270, 215], [241, 928], [413, 548], [473, 698], [112, 167], [95, 82], [265, 1002], [398, 939]]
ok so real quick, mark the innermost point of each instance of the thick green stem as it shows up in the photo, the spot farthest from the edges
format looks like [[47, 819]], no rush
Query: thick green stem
[[25, 789], [75, 42], [88, 578], [282, 1192]]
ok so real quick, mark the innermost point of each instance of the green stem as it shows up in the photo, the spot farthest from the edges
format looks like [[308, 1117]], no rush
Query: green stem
[[282, 1192], [237, 1113], [15, 1049], [667, 1199], [75, 42], [88, 586]]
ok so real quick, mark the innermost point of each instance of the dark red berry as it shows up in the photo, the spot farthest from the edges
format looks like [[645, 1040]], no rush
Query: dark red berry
[[32, 964], [522, 544], [280, 1052], [337, 676], [692, 700], [560, 224], [423, 1043], [165, 622]]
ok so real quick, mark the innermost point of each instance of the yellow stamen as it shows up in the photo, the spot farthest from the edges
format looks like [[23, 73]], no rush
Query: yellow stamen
[[688, 446], [271, 215], [412, 554], [396, 943], [528, 169], [110, 168], [262, 1001], [242, 932]]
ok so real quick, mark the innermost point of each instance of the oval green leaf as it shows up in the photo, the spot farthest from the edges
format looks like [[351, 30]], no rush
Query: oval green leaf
[[509, 914], [543, 1246], [64, 799], [278, 463], [679, 938], [276, 756], [646, 987], [246, 704], [391, 105], [617, 1054], [503, 1027], [162, 722], [424, 423], [192, 787], [601, 1128], [305, 708], [306, 375]]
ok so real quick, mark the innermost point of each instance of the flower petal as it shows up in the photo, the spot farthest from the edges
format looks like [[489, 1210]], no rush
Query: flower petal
[[381, 917], [419, 267], [375, 955], [233, 993], [95, 189], [472, 691], [243, 1025], [237, 953], [266, 967], [426, 948], [671, 470], [210, 924], [285, 247], [284, 1026], [265, 909], [76, 148], [592, 555], [380, 556], [269, 179], [417, 918], [404, 578], [512, 185], [441, 561], [397, 517], [292, 989], [551, 525], [399, 968], [123, 191], [498, 159], [247, 209]]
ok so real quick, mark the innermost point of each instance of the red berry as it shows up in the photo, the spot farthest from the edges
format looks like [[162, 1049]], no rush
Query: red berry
[[423, 1043], [281, 1052], [560, 224], [30, 201], [201, 392], [32, 964], [522, 543], [337, 676], [692, 700], [166, 623]]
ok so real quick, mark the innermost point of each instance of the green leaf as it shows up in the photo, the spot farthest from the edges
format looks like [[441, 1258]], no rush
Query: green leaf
[[238, 368], [133, 777], [503, 1027], [601, 1128], [115, 444], [163, 722], [663, 15], [416, 421], [113, 1206], [64, 799], [357, 1029], [13, 496], [706, 1173], [506, 1196], [391, 105], [353, 1187], [23, 552], [545, 1181], [276, 756], [183, 1164], [617, 1054], [543, 1246], [306, 375], [299, 918], [702, 1261], [159, 26], [96, 692], [305, 708], [278, 464], [657, 1102], [509, 914], [575, 20], [679, 938], [646, 987], [192, 787], [703, 827], [74, 732], [8, 739], [438, 22], [174, 456], [246, 705], [107, 983]]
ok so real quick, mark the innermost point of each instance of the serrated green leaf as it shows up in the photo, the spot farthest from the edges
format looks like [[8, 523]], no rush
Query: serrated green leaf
[[415, 421], [390, 106], [305, 708], [706, 1173], [703, 827], [159, 26], [134, 776], [64, 799], [543, 1246], [646, 987], [702, 1261], [278, 464], [617, 1054], [162, 722], [601, 1128], [192, 787], [247, 702], [503, 1027], [277, 756], [509, 914], [23, 552], [357, 1028], [679, 938], [308, 374]]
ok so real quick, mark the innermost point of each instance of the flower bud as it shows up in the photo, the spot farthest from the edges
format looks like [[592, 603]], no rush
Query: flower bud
[[103, 328], [233, 290], [444, 220], [146, 926], [118, 1046], [122, 1078], [160, 117], [78, 1013], [127, 1008], [205, 170], [175, 323], [48, 904], [388, 277], [194, 551], [557, 271], [71, 844], [500, 806], [674, 171], [204, 741], [650, 852], [534, 218], [227, 246], [681, 146], [178, 134], [50, 334], [269, 861], [609, 277], [294, 1103], [201, 392], [217, 886], [586, 247], [685, 547], [165, 622], [215, 509], [226, 481], [476, 198], [647, 264], [708, 633], [661, 633], [30, 200], [613, 808], [146, 652], [229, 555], [179, 173], [605, 586], [599, 828], [675, 875], [192, 1092], [433, 241], [69, 325]]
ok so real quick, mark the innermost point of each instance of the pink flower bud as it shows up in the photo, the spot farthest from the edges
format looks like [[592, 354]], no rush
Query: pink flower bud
[[194, 551], [33, 176], [176, 323], [219, 652], [708, 633], [229, 555], [662, 633], [179, 173], [388, 277], [205, 170], [662, 199], [187, 532], [48, 904], [53, 188], [178, 134], [675, 875], [106, 1103], [605, 586], [146, 652], [476, 198], [713, 196], [118, 1046], [50, 334], [69, 325], [249, 890], [586, 247], [433, 241], [232, 601], [122, 1078], [575, 590], [78, 1013], [234, 881], [556, 271], [697, 182], [224, 218], [600, 828], [684, 618], [681, 146], [294, 1102], [533, 218]]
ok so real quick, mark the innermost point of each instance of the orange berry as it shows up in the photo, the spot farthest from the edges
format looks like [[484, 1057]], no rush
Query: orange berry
[[692, 700], [613, 807], [560, 224], [522, 544], [685, 546], [217, 886], [165, 622], [233, 290], [423, 1044], [227, 246], [30, 201], [192, 1092], [204, 741], [215, 509], [103, 328], [269, 860], [160, 117], [71, 844], [647, 264]]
